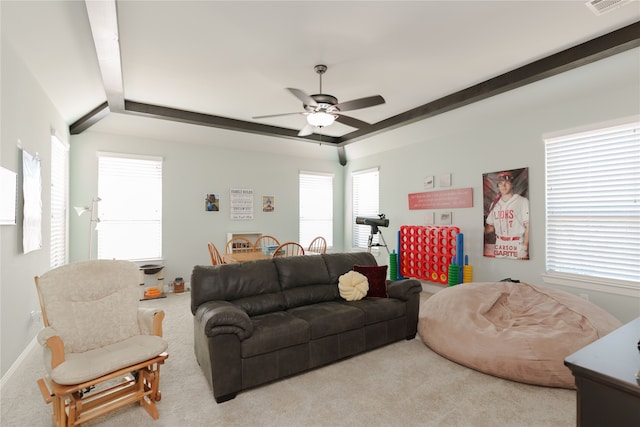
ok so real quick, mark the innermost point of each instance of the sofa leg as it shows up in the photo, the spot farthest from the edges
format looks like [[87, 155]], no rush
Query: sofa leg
[[409, 338], [226, 397]]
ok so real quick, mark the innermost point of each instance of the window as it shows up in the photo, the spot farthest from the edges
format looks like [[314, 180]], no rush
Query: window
[[59, 198], [130, 210], [365, 204], [593, 206], [316, 207]]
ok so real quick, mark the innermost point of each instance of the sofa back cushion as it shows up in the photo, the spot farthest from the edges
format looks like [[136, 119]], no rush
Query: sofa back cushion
[[340, 263], [251, 285], [305, 280]]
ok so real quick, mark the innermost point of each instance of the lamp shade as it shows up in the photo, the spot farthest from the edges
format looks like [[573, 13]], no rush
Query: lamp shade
[[320, 119], [81, 209]]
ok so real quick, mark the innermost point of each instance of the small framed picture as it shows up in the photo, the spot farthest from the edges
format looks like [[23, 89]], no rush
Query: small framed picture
[[211, 202], [429, 218], [268, 204], [428, 182], [445, 180], [445, 218]]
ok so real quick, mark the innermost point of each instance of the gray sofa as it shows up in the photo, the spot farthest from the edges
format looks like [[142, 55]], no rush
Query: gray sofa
[[259, 321]]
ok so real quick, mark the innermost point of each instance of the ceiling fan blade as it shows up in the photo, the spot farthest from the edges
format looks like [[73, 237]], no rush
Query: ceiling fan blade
[[307, 130], [275, 115], [350, 121], [306, 99], [356, 104]]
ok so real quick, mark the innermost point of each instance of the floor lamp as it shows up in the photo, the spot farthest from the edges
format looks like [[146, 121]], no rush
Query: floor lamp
[[93, 219]]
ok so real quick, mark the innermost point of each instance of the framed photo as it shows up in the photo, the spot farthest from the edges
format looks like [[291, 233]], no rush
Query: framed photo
[[506, 214], [211, 202], [429, 218], [445, 180], [268, 204], [428, 182], [445, 218]]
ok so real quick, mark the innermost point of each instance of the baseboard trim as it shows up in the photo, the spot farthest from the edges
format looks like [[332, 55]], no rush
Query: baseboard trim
[[14, 367]]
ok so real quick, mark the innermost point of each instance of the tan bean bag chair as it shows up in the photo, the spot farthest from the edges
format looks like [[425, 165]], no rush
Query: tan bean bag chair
[[516, 331]]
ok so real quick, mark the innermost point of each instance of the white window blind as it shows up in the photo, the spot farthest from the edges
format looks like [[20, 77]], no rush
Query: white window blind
[[316, 207], [59, 198], [593, 204], [130, 210], [365, 203]]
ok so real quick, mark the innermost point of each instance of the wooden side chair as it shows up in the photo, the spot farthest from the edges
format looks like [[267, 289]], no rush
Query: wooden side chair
[[239, 244], [265, 242], [318, 245], [97, 337], [216, 258], [288, 249]]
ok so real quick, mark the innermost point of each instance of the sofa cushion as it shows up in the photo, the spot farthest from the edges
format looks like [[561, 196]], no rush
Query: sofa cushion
[[300, 271], [377, 277], [339, 263], [379, 309], [230, 282], [304, 280], [329, 318], [274, 331], [261, 304]]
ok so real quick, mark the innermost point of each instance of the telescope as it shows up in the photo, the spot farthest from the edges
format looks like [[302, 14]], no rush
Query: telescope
[[374, 223], [381, 221]]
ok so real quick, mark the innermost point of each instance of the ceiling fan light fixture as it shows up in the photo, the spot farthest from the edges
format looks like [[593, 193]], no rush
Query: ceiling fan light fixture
[[320, 119]]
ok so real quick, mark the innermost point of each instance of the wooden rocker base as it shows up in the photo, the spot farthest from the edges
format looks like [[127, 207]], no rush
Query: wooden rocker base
[[74, 405]]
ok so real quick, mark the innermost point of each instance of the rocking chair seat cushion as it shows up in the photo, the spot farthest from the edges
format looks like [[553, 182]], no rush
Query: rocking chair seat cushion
[[80, 367]]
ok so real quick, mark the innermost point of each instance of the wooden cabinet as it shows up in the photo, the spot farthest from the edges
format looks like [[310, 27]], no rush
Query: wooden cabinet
[[606, 379]]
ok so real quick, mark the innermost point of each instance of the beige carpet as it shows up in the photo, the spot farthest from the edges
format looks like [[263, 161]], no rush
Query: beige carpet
[[403, 384]]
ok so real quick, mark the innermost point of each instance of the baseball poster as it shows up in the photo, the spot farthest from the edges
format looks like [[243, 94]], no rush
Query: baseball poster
[[506, 214]]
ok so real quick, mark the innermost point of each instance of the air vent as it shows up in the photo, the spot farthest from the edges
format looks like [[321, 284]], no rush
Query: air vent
[[600, 7]]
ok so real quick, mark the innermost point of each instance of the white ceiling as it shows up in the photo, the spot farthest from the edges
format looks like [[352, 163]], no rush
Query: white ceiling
[[234, 59]]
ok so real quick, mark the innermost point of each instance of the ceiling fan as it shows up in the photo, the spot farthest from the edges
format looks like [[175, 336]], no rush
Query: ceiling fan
[[322, 109]]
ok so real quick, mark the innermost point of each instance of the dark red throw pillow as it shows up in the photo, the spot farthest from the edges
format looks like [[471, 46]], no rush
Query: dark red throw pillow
[[377, 277]]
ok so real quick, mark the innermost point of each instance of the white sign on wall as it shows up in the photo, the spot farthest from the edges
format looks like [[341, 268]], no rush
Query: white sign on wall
[[241, 203]]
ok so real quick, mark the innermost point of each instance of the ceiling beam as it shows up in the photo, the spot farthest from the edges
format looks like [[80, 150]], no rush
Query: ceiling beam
[[174, 114], [585, 53], [103, 20], [89, 119]]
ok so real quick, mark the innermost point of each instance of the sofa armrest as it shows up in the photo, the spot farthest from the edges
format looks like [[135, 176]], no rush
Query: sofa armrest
[[403, 289], [223, 317], [150, 321]]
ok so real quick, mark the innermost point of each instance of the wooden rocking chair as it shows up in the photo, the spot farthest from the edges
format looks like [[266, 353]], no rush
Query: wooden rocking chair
[[96, 337]]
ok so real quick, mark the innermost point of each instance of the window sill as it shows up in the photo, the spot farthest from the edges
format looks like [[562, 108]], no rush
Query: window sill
[[611, 286]]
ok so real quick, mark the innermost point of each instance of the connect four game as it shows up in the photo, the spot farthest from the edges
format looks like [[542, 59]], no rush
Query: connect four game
[[426, 252]]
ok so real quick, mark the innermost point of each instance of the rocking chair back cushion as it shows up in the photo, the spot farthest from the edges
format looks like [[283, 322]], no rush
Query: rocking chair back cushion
[[92, 304]]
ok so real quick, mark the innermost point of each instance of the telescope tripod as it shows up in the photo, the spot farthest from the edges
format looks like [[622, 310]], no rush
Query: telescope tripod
[[375, 230]]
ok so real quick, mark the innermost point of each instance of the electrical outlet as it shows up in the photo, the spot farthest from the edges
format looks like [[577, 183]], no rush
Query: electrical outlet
[[584, 296], [36, 316]]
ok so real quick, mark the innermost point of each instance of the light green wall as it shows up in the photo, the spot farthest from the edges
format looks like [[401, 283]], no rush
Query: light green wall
[[505, 132], [27, 119], [502, 132], [190, 171]]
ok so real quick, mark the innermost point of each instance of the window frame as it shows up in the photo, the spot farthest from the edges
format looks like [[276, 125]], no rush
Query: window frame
[[588, 280], [149, 224], [358, 242], [305, 237], [58, 241]]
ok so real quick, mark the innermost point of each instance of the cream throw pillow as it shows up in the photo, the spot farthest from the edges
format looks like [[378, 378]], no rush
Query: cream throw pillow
[[353, 286]]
